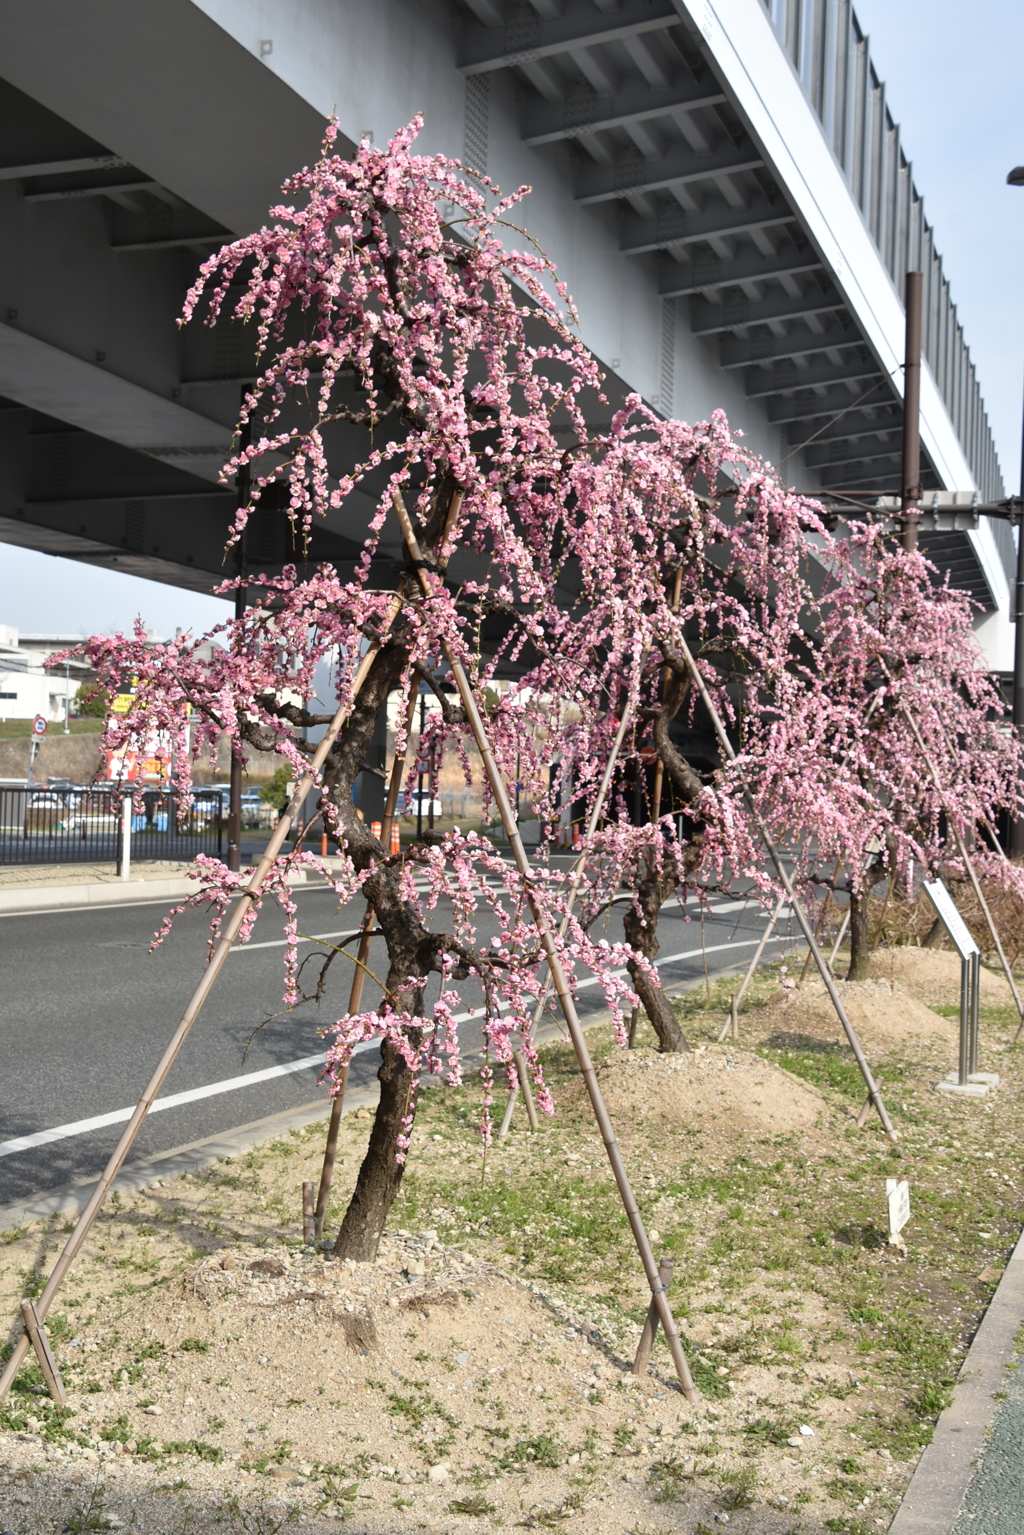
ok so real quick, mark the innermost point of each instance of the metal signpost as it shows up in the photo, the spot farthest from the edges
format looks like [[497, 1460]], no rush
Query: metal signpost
[[967, 1081]]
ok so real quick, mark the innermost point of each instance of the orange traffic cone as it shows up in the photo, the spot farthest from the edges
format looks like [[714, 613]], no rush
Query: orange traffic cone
[[376, 827], [396, 839]]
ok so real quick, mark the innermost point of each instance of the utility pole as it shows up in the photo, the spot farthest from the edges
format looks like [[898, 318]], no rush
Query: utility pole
[[420, 763], [235, 785], [910, 489], [1016, 179], [1017, 715]]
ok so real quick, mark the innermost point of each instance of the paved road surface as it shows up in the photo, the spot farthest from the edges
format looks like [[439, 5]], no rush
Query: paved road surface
[[86, 1013]]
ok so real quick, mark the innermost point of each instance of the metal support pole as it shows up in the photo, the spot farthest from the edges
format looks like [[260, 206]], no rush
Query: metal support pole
[[972, 1064], [559, 978], [124, 863], [964, 1063], [910, 494], [213, 967]]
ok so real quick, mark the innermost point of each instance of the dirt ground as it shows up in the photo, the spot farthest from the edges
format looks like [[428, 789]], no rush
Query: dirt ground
[[221, 1376]]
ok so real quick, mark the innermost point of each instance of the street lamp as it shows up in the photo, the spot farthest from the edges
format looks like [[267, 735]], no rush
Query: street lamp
[[1016, 179]]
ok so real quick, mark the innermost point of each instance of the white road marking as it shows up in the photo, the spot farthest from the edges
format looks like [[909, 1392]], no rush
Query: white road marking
[[309, 1062]]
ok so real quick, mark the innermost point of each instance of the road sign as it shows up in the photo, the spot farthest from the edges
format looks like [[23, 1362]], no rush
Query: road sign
[[39, 726], [952, 921]]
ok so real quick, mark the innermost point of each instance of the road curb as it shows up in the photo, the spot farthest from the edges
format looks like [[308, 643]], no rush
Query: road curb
[[937, 1488], [38, 899], [71, 1198]]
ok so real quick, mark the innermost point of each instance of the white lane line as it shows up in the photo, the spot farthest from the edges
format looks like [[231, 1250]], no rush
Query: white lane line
[[308, 1062], [347, 932]]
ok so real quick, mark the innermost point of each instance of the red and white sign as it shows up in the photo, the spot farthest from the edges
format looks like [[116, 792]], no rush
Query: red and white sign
[[38, 725], [148, 764]]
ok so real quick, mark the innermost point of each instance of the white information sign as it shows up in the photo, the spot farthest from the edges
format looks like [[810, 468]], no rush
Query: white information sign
[[898, 1198], [954, 924]]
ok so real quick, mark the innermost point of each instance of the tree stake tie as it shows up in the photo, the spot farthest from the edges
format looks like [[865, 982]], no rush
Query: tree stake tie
[[796, 906], [195, 1006], [558, 975]]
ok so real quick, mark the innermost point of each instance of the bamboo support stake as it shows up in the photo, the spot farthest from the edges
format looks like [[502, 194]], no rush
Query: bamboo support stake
[[212, 970], [36, 1333], [862, 1117], [796, 906], [646, 1344], [738, 995], [596, 811], [821, 919], [558, 975], [524, 1083], [839, 939], [308, 1214], [356, 989]]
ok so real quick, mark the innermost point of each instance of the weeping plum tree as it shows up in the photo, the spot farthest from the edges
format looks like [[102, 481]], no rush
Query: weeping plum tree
[[892, 640], [703, 540], [389, 315]]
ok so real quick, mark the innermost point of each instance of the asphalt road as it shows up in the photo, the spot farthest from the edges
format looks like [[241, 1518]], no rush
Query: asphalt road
[[87, 1012]]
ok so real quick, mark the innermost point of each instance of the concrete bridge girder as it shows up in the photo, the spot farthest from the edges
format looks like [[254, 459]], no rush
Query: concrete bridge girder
[[681, 214]]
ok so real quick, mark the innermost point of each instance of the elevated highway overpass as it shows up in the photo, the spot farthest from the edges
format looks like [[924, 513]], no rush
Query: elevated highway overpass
[[721, 183]]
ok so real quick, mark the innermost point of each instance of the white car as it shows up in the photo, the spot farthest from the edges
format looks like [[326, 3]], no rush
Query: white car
[[429, 803]]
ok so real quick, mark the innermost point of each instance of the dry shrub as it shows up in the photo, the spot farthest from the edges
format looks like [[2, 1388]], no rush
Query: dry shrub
[[893, 922]]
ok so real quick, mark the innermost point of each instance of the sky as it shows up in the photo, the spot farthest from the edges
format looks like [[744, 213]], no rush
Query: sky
[[953, 83], [952, 74]]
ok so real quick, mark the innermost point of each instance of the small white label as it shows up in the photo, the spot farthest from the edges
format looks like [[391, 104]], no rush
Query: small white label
[[898, 1198], [954, 924]]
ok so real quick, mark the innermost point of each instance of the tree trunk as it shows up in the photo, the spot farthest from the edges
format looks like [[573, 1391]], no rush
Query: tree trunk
[[380, 1175], [641, 929], [933, 938], [860, 945]]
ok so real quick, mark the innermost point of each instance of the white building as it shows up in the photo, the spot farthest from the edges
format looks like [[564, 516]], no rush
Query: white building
[[27, 688]]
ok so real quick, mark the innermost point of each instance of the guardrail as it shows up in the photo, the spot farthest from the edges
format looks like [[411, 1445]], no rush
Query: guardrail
[[41, 824]]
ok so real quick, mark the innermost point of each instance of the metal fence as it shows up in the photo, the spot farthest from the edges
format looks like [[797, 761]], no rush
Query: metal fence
[[83, 825]]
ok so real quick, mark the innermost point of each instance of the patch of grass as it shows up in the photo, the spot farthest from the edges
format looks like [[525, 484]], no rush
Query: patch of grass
[[738, 1488], [770, 1430], [538, 1450], [475, 1505], [671, 1480], [831, 1067], [195, 1345]]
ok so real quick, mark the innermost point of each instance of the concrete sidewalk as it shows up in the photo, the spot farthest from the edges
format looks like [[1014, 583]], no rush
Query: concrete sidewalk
[[970, 1479]]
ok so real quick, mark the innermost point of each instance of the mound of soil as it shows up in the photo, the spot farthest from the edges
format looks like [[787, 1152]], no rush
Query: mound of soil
[[933, 976], [883, 1014], [712, 1084]]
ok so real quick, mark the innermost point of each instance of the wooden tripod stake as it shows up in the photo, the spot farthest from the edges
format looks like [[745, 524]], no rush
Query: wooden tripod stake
[[574, 889], [646, 1344], [212, 969], [558, 975], [797, 907], [732, 1022]]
